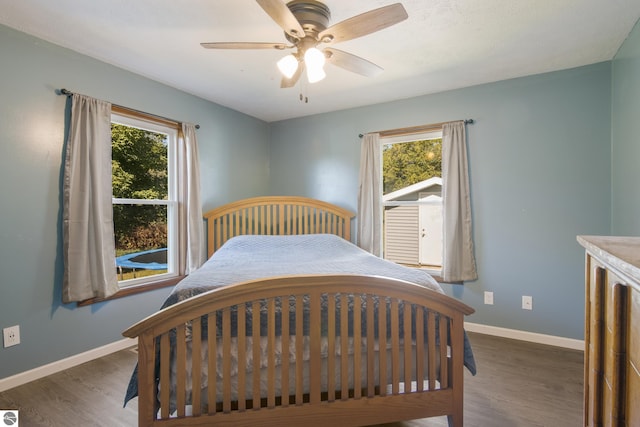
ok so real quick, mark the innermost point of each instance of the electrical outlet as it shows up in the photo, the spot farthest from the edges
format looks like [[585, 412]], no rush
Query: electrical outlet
[[527, 302], [488, 297], [11, 336]]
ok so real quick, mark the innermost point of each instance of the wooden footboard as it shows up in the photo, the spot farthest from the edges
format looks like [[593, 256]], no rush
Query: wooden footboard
[[405, 359]]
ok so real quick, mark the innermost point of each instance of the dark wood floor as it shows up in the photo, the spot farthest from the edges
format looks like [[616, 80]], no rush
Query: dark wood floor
[[518, 384]]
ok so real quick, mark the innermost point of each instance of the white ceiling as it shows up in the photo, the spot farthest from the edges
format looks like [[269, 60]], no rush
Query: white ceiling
[[444, 44]]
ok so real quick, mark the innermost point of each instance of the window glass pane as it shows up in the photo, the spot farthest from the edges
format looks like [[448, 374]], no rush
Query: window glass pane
[[409, 163], [139, 163], [141, 240], [412, 199]]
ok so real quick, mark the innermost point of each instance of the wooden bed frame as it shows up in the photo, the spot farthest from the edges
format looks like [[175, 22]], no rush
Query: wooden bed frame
[[437, 392]]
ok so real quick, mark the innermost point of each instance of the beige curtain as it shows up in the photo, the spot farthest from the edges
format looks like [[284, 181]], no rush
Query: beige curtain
[[88, 239], [370, 195], [192, 252], [458, 261]]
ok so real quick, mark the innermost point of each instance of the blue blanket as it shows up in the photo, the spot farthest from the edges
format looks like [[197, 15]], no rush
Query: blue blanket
[[287, 255]]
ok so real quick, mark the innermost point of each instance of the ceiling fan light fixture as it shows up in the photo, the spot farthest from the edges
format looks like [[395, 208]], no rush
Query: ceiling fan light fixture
[[306, 24], [314, 60], [288, 66]]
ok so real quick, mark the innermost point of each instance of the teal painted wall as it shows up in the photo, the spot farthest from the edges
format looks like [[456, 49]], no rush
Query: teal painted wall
[[542, 172], [234, 162], [539, 157], [625, 137]]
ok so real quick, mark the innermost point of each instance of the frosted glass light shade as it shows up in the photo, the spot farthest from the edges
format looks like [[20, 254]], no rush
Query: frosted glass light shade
[[315, 75], [288, 66], [314, 60]]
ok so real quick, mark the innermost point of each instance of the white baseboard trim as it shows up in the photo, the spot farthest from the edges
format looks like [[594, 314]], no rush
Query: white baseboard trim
[[61, 365], [571, 343]]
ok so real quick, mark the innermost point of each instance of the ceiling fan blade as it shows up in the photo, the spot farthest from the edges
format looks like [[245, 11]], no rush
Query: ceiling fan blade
[[279, 12], [286, 83], [244, 45], [352, 63], [365, 23]]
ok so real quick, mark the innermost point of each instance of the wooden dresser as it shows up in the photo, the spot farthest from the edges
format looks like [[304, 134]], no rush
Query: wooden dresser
[[612, 331]]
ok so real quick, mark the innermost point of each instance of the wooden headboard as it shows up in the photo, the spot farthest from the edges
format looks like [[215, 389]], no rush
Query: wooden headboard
[[275, 215]]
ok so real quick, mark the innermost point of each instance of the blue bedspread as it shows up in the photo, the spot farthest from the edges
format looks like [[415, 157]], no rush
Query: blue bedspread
[[288, 255]]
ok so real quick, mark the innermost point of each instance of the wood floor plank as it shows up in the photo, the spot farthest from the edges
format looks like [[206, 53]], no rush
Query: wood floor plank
[[91, 394], [518, 384]]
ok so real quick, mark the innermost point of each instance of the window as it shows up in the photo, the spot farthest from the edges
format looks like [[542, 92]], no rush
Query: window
[[458, 260], [162, 211], [412, 199], [145, 199]]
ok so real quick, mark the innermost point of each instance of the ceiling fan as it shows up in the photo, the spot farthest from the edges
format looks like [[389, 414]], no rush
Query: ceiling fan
[[306, 26]]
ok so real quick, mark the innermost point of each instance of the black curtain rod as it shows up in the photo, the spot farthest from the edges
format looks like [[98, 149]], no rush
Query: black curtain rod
[[466, 122], [67, 92]]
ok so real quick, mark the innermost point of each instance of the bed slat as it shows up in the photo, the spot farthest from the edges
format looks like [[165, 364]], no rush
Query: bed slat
[[331, 347], [284, 371], [271, 353], [314, 348], [370, 346], [444, 366], [255, 329], [299, 351], [181, 363], [382, 344], [431, 332], [164, 374], [357, 346], [226, 361], [212, 361], [242, 355], [395, 349], [196, 346], [344, 344], [408, 350], [420, 348]]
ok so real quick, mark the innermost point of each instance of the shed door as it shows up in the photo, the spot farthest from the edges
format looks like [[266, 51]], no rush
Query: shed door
[[401, 238], [430, 227]]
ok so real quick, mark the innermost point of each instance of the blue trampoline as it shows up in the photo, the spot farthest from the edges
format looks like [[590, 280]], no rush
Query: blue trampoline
[[154, 259]]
